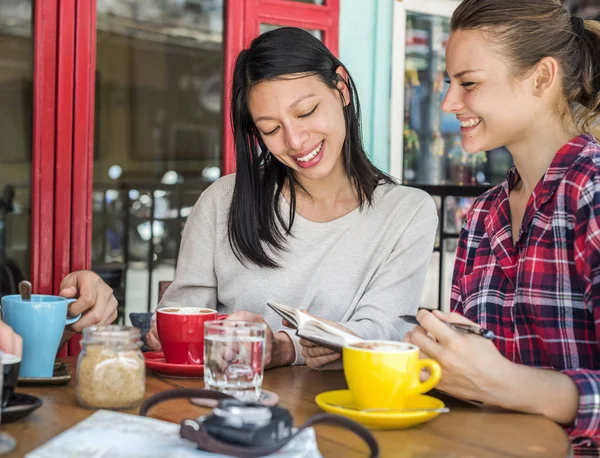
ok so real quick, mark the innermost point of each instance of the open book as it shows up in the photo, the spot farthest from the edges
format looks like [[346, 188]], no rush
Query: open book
[[310, 328]]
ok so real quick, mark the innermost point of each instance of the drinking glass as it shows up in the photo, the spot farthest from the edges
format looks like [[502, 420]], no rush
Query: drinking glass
[[234, 358], [7, 442]]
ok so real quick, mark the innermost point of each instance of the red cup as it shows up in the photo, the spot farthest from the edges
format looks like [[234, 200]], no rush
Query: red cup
[[181, 333]]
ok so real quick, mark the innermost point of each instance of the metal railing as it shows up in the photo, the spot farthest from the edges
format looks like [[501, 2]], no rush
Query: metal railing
[[128, 196]]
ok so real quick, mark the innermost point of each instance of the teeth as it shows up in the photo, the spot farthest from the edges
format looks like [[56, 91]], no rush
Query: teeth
[[310, 156], [471, 122]]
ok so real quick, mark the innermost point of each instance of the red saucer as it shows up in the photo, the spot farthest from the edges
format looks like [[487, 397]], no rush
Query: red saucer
[[155, 361]]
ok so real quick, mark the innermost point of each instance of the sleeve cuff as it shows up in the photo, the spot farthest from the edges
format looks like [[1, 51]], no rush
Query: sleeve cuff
[[299, 359], [587, 421]]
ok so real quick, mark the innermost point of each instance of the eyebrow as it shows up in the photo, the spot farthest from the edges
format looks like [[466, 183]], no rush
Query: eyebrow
[[461, 74], [304, 97]]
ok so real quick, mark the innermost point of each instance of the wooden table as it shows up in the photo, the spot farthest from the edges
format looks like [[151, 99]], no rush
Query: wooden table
[[465, 432]]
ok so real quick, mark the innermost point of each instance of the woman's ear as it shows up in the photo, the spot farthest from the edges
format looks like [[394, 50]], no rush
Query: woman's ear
[[545, 76], [342, 84]]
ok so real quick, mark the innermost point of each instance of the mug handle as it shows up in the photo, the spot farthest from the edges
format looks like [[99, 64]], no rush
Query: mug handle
[[74, 318], [222, 317], [434, 377]]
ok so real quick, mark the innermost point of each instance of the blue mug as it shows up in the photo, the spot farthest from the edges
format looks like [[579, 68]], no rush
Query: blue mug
[[41, 323]]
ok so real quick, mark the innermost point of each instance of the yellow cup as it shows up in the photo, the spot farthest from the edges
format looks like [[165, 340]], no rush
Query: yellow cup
[[382, 374]]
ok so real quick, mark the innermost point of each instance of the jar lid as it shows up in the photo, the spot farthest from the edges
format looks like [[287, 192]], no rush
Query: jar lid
[[111, 335]]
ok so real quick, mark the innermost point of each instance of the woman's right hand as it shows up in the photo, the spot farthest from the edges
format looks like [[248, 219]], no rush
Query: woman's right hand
[[279, 348], [10, 342], [152, 337]]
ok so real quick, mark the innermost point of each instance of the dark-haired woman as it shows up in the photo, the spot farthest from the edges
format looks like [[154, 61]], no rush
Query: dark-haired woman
[[526, 75], [307, 220]]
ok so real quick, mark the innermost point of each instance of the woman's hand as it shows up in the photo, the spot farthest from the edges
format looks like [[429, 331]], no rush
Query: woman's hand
[[279, 347], [152, 337], [472, 367], [95, 299], [10, 342], [321, 358]]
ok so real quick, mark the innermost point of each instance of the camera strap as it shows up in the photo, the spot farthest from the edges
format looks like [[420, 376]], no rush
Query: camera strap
[[194, 431]]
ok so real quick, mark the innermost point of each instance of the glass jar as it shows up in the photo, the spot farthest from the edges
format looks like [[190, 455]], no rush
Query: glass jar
[[110, 370]]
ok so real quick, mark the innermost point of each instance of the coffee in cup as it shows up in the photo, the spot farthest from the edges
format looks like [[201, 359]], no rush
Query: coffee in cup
[[186, 310], [382, 374], [181, 332], [10, 374]]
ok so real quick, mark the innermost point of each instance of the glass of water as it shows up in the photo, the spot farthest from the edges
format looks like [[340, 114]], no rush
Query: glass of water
[[7, 442], [234, 358]]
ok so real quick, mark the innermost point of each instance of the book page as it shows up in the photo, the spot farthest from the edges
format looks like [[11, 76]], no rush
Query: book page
[[326, 332], [294, 316], [288, 313], [313, 329], [304, 318]]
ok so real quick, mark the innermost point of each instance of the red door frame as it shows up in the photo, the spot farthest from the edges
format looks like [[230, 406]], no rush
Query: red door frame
[[62, 153], [83, 134], [64, 139], [45, 26], [64, 77], [75, 136], [81, 182], [242, 23], [74, 126]]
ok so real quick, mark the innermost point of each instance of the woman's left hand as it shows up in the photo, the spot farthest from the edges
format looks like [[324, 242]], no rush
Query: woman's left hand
[[320, 358], [472, 367], [279, 347]]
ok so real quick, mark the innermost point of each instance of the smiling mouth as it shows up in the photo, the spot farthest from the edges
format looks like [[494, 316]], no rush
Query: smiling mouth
[[471, 123], [310, 156]]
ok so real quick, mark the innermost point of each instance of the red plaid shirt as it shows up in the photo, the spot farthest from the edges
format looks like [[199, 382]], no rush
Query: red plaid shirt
[[541, 296]]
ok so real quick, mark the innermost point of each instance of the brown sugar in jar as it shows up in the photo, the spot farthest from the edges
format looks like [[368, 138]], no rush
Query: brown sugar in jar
[[110, 370]]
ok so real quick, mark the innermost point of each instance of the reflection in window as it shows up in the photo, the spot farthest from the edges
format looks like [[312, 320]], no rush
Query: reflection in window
[[16, 112]]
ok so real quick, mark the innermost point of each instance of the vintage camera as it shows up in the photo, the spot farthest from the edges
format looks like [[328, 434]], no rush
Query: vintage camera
[[248, 424]]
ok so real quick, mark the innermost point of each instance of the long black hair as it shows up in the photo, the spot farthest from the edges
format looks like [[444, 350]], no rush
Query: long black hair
[[257, 229]]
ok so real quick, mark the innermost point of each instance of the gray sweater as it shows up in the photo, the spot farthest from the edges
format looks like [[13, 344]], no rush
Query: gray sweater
[[362, 270]]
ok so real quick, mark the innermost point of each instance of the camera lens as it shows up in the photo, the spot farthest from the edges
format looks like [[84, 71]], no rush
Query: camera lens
[[237, 413]]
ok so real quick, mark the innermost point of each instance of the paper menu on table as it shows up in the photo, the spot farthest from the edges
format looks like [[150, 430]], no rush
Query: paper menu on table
[[107, 434]]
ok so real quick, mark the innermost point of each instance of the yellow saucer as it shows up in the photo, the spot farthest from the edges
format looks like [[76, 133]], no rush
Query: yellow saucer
[[379, 420]]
